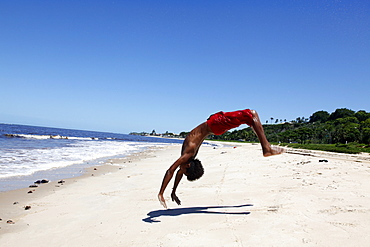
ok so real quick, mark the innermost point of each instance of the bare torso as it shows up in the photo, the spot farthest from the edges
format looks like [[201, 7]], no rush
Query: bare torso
[[194, 139]]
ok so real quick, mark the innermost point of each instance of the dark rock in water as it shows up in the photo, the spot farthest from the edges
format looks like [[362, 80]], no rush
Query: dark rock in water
[[29, 192], [43, 181], [10, 135], [33, 186], [323, 160], [27, 207], [61, 182], [10, 222], [15, 203]]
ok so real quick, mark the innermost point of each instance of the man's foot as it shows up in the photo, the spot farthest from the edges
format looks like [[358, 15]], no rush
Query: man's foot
[[273, 150]]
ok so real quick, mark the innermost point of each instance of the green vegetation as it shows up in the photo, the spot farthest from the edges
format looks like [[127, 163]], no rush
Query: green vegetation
[[343, 130]]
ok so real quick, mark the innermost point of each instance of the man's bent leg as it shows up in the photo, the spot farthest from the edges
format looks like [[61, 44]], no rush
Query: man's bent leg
[[266, 146]]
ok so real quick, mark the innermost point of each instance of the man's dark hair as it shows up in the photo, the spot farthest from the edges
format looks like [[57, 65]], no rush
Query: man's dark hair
[[195, 171]]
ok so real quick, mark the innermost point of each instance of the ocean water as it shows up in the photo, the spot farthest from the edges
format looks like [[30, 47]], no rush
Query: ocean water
[[29, 152]]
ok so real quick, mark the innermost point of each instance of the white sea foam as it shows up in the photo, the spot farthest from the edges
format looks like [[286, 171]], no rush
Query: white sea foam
[[32, 136], [27, 161], [41, 137]]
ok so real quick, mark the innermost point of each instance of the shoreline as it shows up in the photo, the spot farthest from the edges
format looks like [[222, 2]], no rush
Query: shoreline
[[14, 201], [71, 171], [243, 199]]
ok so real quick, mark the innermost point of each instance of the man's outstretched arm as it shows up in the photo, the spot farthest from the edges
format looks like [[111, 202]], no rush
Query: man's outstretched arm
[[168, 176], [178, 178]]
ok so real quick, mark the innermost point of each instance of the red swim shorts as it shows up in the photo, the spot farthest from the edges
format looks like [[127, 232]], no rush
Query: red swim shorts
[[221, 122]]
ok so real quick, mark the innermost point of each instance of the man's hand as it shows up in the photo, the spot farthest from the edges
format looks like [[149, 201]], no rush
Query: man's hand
[[175, 198], [162, 201]]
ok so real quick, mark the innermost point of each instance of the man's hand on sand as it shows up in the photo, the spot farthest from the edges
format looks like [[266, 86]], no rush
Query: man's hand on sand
[[162, 201], [175, 198]]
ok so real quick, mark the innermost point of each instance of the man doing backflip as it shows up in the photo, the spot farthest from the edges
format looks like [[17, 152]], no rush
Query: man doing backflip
[[216, 124]]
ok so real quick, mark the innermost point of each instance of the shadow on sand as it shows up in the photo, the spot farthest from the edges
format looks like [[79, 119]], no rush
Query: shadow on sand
[[192, 210]]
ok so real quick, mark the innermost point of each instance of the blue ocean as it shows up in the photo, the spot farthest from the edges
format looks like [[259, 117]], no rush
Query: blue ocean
[[28, 153]]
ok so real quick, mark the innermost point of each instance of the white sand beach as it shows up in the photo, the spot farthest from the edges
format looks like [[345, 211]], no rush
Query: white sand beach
[[243, 199]]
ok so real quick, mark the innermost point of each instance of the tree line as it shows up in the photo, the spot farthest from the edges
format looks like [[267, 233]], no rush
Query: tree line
[[341, 126]]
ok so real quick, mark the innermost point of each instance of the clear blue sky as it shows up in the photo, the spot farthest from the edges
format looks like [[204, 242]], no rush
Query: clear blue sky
[[123, 66]]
